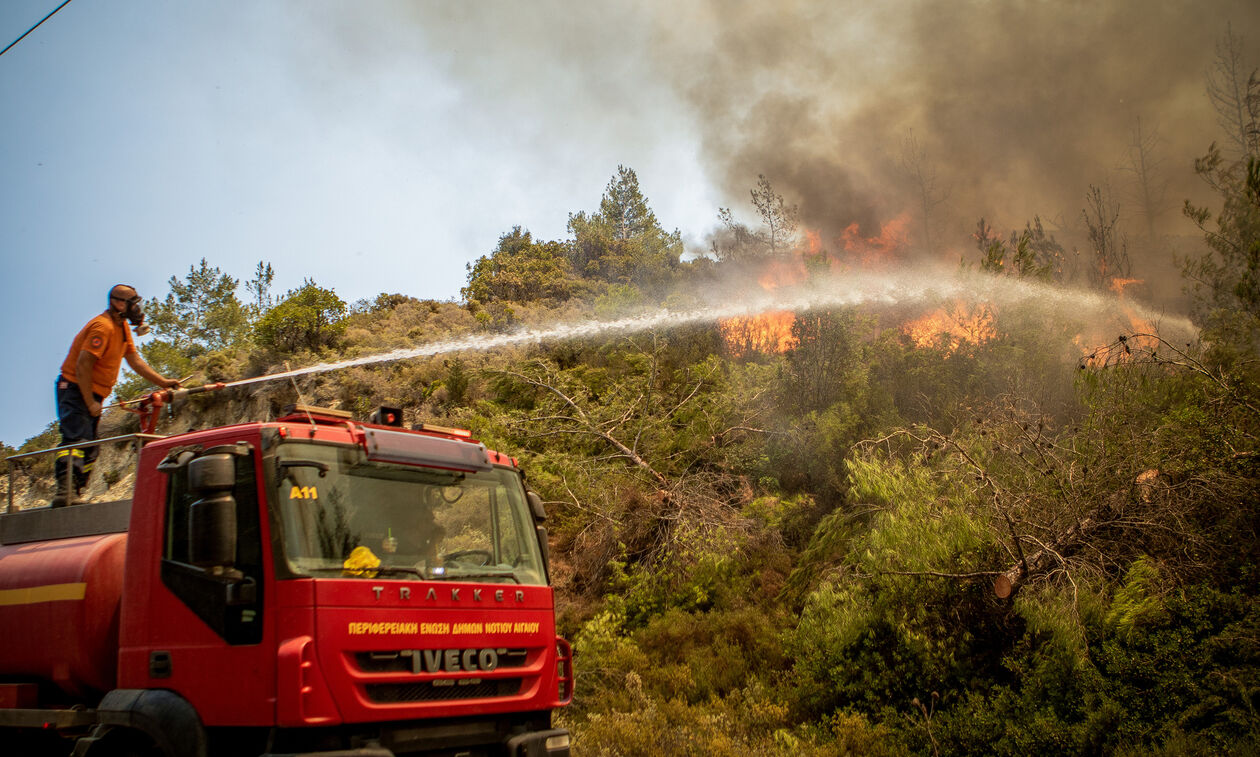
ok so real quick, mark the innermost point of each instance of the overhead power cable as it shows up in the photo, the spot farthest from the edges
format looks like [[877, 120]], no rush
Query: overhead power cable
[[33, 28]]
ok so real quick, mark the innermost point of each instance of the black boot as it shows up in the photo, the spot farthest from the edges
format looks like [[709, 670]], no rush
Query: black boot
[[63, 497]]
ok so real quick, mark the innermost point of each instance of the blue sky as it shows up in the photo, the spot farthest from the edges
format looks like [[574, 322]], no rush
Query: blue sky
[[357, 148]]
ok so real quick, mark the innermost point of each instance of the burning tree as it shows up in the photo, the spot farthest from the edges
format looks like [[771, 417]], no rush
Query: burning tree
[[1029, 253], [779, 218], [764, 333], [953, 328], [1110, 258], [778, 236]]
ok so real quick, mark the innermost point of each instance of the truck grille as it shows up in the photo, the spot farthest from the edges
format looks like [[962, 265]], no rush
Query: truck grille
[[401, 661], [443, 689]]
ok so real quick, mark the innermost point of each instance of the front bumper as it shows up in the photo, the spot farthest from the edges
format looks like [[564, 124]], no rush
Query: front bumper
[[549, 743], [553, 743]]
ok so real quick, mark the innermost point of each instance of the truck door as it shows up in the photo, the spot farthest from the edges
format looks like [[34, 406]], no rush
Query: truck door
[[210, 611]]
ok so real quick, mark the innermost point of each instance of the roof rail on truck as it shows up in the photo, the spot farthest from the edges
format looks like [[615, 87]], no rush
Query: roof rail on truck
[[138, 439]]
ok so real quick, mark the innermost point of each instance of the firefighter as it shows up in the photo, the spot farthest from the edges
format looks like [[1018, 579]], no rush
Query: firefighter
[[86, 379], [397, 527]]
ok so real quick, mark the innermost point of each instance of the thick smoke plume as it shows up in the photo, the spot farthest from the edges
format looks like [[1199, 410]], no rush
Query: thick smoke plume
[[860, 112], [1015, 109]]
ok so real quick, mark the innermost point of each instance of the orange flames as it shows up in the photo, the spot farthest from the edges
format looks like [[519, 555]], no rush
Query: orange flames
[[1120, 350], [780, 273], [767, 333], [771, 333], [1118, 285], [953, 327], [880, 249], [813, 243]]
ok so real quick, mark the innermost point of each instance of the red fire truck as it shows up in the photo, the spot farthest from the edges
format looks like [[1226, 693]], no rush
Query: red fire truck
[[307, 586]]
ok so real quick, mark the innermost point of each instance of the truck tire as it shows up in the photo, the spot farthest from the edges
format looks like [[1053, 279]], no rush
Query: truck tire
[[107, 741], [166, 724]]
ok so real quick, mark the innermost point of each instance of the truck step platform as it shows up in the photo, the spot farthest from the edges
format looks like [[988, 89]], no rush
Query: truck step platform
[[49, 523]]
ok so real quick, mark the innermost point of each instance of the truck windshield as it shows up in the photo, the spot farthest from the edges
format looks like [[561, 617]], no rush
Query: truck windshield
[[342, 514]]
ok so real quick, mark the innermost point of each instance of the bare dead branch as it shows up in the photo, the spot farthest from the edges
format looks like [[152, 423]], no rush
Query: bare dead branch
[[939, 574]]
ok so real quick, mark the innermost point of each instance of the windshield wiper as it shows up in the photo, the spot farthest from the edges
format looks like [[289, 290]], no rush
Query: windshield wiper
[[284, 465], [364, 572], [478, 574], [396, 569], [433, 574]]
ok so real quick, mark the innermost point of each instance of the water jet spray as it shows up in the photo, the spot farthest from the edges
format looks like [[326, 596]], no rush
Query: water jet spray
[[924, 287]]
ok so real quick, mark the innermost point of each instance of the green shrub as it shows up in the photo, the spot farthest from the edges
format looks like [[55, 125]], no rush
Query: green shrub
[[308, 318], [698, 656]]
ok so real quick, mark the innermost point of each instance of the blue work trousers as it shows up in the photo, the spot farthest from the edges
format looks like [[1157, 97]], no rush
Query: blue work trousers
[[77, 425]]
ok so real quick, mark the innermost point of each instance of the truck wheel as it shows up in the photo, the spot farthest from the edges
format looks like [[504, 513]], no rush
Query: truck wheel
[[150, 723]]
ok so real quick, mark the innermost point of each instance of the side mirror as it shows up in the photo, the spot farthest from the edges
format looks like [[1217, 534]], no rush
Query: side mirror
[[543, 547], [175, 461], [212, 518], [536, 505]]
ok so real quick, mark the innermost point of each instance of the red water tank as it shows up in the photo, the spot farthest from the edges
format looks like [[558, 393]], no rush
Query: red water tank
[[59, 604]]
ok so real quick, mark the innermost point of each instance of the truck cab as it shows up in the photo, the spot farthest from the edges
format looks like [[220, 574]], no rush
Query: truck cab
[[316, 585]]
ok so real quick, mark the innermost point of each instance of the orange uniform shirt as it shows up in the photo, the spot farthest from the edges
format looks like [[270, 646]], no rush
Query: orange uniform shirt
[[109, 342]]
